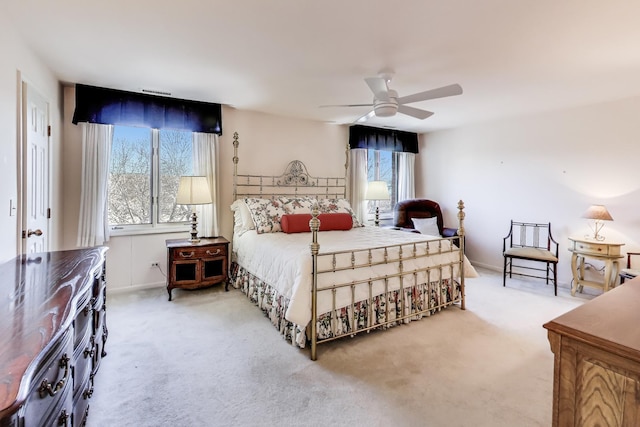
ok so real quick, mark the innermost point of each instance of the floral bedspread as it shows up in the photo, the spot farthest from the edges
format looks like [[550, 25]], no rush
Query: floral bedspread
[[284, 262], [347, 320]]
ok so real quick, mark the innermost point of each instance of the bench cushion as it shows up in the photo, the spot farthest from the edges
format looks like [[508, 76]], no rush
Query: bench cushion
[[531, 253]]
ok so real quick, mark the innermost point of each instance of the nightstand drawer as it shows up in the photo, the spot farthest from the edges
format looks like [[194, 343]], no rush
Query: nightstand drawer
[[596, 248], [200, 252]]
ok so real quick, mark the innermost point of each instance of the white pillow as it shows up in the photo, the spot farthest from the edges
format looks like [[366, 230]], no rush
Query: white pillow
[[427, 225], [242, 221]]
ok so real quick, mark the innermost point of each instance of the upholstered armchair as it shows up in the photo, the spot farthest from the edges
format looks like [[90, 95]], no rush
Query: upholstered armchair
[[406, 210]]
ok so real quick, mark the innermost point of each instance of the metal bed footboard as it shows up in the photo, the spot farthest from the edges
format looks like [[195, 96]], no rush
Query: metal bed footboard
[[449, 274], [295, 181]]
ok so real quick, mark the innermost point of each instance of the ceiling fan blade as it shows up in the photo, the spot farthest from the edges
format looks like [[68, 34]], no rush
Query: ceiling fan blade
[[378, 86], [366, 117], [451, 90], [414, 112], [346, 105]]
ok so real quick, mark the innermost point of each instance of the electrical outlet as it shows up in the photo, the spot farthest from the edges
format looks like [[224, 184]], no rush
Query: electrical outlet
[[154, 264]]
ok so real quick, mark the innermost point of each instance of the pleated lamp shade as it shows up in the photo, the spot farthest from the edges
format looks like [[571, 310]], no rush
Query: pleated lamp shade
[[193, 190]]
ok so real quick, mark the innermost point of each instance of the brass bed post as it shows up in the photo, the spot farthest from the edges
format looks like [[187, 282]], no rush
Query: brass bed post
[[461, 215], [235, 166], [314, 223]]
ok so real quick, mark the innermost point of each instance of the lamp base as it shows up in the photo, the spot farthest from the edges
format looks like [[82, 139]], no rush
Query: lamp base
[[376, 222], [596, 231], [194, 228], [597, 237]]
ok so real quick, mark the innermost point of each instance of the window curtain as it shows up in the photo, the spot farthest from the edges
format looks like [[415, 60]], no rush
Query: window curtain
[[119, 107], [403, 144], [406, 183], [382, 139], [358, 182], [93, 224], [205, 163]]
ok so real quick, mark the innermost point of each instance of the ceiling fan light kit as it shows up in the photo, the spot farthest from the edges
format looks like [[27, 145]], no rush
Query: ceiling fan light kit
[[386, 102], [388, 107]]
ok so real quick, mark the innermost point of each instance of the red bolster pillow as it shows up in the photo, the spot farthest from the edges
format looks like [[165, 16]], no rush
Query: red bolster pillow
[[299, 223]]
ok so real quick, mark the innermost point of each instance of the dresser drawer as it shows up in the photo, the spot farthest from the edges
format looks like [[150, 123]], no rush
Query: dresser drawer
[[81, 398], [83, 321], [83, 361], [61, 414], [52, 382]]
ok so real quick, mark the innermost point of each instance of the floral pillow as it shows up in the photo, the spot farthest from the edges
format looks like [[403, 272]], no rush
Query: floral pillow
[[297, 205], [338, 205], [266, 214]]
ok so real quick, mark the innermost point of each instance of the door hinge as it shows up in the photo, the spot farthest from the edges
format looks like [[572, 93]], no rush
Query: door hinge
[[49, 130], [48, 213]]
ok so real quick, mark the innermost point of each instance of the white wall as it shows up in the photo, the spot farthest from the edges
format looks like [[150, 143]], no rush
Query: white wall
[[267, 144], [17, 63], [544, 167]]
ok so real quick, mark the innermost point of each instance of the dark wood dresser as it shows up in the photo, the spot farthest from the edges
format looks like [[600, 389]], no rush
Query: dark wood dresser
[[52, 336], [597, 360]]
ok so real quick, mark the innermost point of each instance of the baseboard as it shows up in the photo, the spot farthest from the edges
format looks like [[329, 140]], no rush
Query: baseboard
[[561, 284], [486, 266], [134, 288]]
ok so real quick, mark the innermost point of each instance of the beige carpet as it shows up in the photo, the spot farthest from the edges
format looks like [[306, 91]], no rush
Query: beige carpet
[[210, 358]]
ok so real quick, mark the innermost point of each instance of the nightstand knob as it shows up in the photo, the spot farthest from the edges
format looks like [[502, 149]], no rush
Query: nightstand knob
[[187, 254], [213, 253]]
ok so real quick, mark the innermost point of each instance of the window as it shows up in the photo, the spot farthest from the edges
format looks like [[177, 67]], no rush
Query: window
[[381, 167], [145, 168]]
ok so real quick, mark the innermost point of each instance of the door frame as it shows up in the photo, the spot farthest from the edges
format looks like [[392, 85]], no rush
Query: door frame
[[21, 151]]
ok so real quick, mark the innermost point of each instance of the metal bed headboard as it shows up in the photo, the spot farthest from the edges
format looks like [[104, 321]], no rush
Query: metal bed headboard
[[294, 181]]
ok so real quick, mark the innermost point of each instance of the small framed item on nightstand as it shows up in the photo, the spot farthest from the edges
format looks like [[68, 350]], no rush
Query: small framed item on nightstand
[[197, 265]]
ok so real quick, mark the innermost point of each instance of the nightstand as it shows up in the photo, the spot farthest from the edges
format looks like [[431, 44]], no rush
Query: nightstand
[[603, 250], [196, 265]]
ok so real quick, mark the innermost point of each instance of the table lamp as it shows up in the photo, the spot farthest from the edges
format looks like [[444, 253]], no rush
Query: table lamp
[[598, 213], [377, 190], [194, 190]]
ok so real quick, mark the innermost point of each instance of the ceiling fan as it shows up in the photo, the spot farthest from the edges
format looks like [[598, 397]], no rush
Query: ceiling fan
[[386, 102]]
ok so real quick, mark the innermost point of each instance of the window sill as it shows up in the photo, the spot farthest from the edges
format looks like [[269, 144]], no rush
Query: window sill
[[139, 231]]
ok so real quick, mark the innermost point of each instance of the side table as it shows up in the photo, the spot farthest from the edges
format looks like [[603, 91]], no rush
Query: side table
[[603, 250], [196, 265]]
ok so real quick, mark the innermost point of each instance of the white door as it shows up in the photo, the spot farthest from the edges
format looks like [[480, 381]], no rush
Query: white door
[[35, 182]]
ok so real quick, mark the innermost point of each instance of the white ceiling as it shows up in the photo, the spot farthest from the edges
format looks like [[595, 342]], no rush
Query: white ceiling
[[288, 57]]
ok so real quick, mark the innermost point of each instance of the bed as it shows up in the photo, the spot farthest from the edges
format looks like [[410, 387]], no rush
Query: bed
[[299, 253]]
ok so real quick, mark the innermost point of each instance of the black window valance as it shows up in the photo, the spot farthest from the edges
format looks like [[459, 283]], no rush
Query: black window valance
[[118, 107], [382, 139]]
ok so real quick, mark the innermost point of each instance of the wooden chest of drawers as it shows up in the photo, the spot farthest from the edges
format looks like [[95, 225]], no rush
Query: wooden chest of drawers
[[53, 337], [597, 361]]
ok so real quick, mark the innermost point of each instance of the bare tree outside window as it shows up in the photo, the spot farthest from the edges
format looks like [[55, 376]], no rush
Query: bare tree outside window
[[143, 186], [130, 177], [176, 160]]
